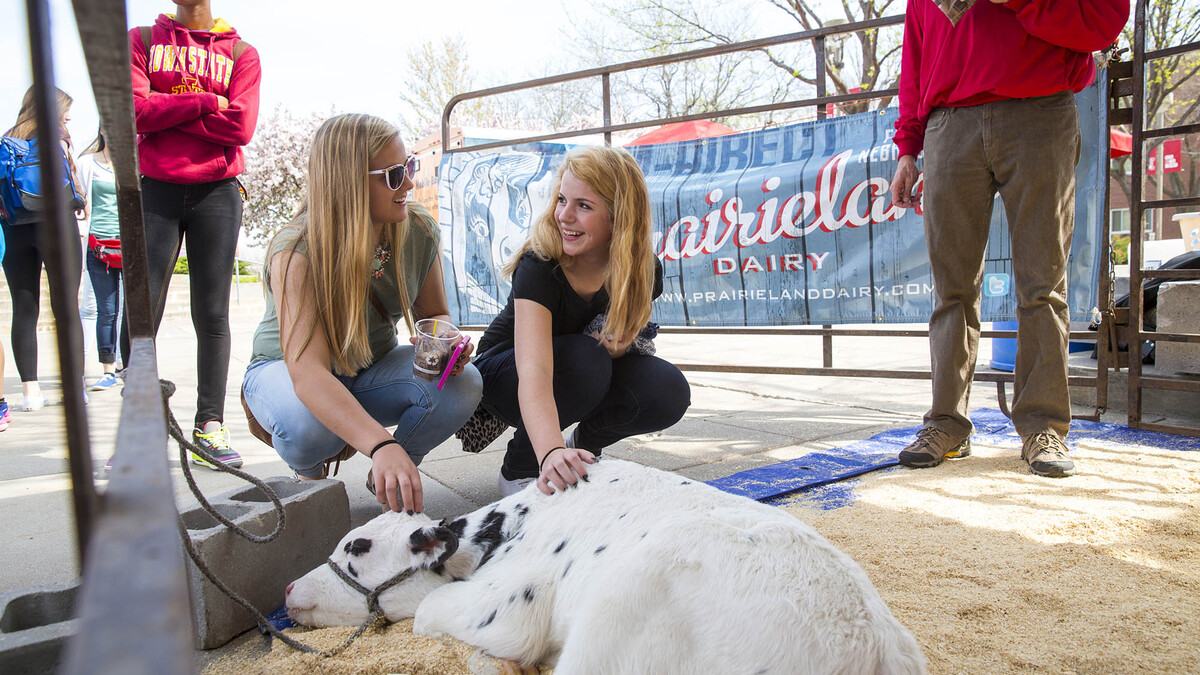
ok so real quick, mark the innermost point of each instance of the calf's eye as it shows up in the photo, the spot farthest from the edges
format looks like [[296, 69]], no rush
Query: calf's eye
[[357, 547]]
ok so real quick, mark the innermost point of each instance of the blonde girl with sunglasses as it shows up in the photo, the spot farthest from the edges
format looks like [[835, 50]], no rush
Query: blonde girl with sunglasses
[[327, 369]]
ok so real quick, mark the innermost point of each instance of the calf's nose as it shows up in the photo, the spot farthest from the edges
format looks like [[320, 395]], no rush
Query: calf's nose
[[288, 590]]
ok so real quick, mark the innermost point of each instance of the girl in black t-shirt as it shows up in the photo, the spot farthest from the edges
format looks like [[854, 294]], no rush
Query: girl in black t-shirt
[[588, 253]]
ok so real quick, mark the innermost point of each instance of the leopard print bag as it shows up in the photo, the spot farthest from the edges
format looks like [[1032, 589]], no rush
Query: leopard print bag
[[480, 430]]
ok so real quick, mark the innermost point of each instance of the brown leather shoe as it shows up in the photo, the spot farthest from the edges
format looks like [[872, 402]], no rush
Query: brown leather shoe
[[1046, 455], [933, 445]]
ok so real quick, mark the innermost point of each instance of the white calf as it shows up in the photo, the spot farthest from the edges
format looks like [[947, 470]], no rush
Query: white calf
[[635, 571]]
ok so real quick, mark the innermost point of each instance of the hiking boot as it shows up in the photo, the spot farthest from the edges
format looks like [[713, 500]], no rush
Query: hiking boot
[[214, 441], [931, 446], [1046, 455]]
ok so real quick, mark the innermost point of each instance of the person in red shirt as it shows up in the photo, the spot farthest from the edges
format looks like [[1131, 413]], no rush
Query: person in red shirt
[[989, 98], [195, 96]]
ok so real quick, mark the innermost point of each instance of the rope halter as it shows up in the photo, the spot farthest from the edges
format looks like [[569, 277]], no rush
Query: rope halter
[[372, 595]]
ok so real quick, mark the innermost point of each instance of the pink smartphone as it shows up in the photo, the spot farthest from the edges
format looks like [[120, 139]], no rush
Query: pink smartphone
[[453, 360]]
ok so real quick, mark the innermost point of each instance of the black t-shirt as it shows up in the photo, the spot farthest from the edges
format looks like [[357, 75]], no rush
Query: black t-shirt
[[543, 282]]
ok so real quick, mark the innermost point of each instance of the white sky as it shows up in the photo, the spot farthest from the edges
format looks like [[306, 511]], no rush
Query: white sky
[[348, 53]]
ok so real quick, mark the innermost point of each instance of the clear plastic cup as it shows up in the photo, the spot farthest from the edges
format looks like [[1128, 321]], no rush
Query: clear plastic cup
[[435, 343]]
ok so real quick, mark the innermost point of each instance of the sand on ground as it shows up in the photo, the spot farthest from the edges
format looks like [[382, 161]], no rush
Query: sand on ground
[[994, 570]]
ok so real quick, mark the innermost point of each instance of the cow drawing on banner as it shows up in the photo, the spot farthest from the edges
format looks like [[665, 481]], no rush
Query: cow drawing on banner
[[494, 198]]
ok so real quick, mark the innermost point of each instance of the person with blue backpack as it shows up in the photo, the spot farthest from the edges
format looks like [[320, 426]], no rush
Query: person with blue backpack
[[5, 416], [22, 218]]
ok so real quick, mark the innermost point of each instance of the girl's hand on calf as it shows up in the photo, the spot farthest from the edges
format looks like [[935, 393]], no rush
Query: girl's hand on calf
[[393, 471], [562, 468]]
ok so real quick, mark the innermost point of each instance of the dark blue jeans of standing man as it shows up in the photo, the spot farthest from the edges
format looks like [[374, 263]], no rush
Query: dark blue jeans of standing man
[[610, 398], [106, 283], [207, 217]]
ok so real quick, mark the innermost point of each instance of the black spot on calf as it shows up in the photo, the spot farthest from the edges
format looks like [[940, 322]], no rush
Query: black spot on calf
[[489, 535], [350, 569], [486, 622], [614, 480], [561, 544], [600, 549], [357, 547], [457, 527], [567, 568], [528, 594]]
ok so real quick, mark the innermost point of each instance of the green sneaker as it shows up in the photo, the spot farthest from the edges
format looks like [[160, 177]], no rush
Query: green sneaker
[[216, 443]]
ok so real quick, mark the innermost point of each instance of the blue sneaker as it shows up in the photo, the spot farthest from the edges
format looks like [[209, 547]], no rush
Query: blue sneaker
[[108, 381], [216, 443], [5, 416]]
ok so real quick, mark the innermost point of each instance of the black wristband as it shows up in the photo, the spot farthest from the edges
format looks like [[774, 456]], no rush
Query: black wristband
[[547, 456], [387, 442]]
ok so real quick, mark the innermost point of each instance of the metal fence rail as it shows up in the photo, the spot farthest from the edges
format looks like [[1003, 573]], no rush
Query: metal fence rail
[[133, 609], [820, 102], [1136, 331]]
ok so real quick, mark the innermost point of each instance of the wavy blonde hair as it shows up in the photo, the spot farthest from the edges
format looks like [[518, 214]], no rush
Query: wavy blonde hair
[[617, 178], [334, 223], [26, 125]]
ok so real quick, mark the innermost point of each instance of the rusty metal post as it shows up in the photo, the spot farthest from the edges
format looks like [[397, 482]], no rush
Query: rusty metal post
[[59, 238], [1136, 213], [133, 607], [606, 92]]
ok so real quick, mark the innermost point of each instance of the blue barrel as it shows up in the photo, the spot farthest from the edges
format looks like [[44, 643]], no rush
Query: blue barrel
[[1004, 350]]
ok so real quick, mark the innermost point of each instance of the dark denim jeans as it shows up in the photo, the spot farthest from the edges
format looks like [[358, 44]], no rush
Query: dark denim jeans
[[106, 283]]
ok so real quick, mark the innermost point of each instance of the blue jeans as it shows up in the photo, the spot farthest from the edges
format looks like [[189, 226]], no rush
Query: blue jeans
[[106, 281], [387, 390]]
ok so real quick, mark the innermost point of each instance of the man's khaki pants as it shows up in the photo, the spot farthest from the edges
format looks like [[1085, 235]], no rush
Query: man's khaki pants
[[1025, 149]]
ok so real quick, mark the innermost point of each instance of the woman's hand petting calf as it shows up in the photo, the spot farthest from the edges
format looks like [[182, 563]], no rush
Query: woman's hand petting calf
[[394, 472], [562, 468]]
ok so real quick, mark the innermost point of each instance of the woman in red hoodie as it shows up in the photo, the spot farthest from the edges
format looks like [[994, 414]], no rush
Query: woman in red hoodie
[[195, 94]]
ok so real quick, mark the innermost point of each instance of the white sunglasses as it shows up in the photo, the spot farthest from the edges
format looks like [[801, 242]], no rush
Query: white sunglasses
[[394, 175]]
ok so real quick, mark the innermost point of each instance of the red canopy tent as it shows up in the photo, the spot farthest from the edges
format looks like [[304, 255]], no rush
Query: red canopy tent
[[1119, 143], [682, 131]]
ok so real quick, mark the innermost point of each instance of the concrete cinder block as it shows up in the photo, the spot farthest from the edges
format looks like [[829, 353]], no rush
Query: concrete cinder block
[[1178, 312], [35, 624], [316, 514]]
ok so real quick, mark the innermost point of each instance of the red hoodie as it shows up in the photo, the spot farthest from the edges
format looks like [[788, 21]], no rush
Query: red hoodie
[[182, 137], [1019, 49]]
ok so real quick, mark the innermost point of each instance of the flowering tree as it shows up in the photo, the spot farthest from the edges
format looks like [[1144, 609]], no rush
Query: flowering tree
[[276, 171]]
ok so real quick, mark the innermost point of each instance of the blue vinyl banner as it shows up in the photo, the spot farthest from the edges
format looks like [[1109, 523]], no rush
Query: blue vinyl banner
[[790, 225]]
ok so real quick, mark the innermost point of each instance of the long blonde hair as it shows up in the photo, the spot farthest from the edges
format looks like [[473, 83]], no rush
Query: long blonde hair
[[26, 125], [617, 178], [334, 221]]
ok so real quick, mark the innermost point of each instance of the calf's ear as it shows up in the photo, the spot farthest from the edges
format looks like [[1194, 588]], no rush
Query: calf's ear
[[433, 545]]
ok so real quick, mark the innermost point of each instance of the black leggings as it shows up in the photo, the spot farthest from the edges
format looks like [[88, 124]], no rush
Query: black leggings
[[207, 216], [23, 270], [610, 398]]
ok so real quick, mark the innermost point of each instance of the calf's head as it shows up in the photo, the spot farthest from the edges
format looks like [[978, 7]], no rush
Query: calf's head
[[371, 555]]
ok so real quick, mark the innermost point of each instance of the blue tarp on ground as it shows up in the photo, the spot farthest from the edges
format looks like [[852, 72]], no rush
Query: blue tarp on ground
[[821, 471]]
